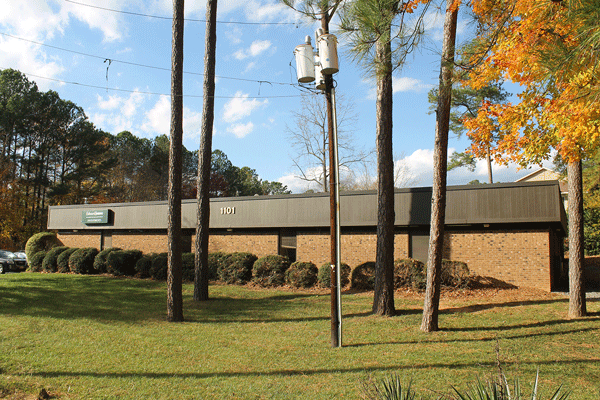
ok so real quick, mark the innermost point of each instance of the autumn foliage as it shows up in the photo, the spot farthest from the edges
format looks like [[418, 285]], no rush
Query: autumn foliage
[[557, 110]]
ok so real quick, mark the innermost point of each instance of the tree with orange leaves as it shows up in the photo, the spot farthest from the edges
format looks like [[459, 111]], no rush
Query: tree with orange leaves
[[557, 109]]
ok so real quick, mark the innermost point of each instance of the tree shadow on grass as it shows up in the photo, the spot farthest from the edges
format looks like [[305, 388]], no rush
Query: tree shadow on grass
[[478, 339], [78, 296], [110, 299], [487, 306], [294, 372]]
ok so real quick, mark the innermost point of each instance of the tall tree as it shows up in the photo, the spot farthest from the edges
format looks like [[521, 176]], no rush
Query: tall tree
[[308, 138], [204, 156], [368, 23], [558, 109], [174, 268], [431, 305]]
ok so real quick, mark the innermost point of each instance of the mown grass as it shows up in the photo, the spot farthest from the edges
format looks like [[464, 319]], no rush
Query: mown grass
[[94, 337]]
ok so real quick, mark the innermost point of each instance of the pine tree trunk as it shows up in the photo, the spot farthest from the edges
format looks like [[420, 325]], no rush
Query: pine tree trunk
[[174, 271], [383, 296], [577, 306], [440, 167], [204, 155]]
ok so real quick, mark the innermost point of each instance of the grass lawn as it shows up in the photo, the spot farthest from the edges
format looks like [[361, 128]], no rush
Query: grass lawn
[[96, 337]]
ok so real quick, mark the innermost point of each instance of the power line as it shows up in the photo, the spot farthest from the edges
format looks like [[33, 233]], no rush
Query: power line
[[170, 18], [150, 93], [141, 65]]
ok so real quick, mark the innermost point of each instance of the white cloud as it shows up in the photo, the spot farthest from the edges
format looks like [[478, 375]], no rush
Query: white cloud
[[406, 84], [157, 121], [240, 106], [265, 11], [42, 20], [235, 35], [241, 130], [256, 48], [295, 184], [399, 84], [118, 113], [420, 165], [30, 59]]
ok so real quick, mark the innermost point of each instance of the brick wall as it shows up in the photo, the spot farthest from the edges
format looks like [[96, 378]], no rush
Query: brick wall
[[357, 248], [519, 258], [147, 243], [259, 244], [79, 240]]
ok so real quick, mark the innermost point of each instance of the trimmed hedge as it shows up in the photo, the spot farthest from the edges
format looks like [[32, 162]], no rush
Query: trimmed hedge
[[100, 264], [35, 262], [363, 276], [143, 266], [216, 261], [270, 270], [50, 263], [82, 261], [158, 268], [122, 262], [42, 241], [413, 273], [324, 276], [455, 274], [301, 274], [62, 262], [237, 268], [188, 267], [410, 272]]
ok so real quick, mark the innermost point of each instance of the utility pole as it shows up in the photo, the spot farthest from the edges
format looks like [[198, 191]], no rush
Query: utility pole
[[306, 69], [336, 322]]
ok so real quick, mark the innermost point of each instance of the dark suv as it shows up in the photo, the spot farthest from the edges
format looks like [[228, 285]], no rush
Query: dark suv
[[7, 261]]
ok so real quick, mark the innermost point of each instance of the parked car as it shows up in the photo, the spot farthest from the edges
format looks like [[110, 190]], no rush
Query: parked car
[[20, 260], [7, 262]]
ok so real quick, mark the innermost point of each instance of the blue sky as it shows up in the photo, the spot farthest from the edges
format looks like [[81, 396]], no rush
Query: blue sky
[[120, 63]]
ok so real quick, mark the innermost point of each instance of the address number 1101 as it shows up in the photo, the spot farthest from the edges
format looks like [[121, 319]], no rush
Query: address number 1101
[[227, 210]]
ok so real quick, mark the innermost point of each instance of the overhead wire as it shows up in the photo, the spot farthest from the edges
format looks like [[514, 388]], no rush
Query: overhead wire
[[104, 58], [170, 18], [151, 93]]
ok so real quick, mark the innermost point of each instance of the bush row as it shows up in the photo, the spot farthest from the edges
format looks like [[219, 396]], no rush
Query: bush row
[[232, 268]]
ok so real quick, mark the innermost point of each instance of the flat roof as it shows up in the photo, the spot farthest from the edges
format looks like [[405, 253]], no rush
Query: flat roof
[[500, 203]]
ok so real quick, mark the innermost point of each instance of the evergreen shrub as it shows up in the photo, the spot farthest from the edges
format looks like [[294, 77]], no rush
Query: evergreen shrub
[[363, 276], [455, 274], [409, 272], [143, 266], [82, 261], [50, 263], [42, 241], [270, 270], [301, 274], [413, 273], [216, 261], [35, 262], [122, 262], [62, 262], [324, 276], [188, 267], [237, 268], [100, 260], [159, 266]]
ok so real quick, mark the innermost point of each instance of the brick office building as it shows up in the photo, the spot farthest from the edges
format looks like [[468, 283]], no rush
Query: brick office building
[[510, 231]]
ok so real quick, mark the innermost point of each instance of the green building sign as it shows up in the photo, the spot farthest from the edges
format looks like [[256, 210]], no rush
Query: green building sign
[[90, 217]]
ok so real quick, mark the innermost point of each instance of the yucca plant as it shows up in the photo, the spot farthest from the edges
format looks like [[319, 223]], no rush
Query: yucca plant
[[390, 388], [501, 390]]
